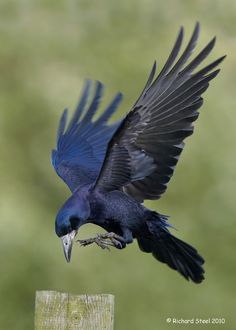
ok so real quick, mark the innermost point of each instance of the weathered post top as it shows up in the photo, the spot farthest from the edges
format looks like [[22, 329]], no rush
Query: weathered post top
[[65, 311]]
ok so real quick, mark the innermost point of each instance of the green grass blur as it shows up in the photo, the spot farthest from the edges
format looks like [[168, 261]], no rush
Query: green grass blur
[[47, 49]]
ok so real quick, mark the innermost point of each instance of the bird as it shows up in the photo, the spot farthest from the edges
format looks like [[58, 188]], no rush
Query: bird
[[112, 168]]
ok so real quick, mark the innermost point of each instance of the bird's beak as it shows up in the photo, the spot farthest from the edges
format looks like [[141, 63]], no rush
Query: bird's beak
[[67, 242]]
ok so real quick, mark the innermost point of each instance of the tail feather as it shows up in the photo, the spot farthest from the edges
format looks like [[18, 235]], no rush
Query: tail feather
[[179, 256], [174, 252], [145, 244]]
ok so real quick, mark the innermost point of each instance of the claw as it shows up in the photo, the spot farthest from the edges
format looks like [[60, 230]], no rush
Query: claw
[[104, 241]]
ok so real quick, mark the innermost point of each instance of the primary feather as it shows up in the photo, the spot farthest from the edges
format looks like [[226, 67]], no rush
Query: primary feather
[[152, 133], [82, 145]]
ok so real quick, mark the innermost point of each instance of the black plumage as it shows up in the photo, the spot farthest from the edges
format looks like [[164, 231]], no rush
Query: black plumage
[[111, 169]]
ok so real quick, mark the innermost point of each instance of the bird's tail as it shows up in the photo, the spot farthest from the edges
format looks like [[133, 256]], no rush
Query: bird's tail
[[169, 249]]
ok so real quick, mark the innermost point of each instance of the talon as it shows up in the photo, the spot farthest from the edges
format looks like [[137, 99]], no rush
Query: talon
[[116, 243], [104, 241], [102, 244]]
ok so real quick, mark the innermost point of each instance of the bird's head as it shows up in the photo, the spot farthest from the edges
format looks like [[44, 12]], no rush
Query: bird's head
[[73, 214]]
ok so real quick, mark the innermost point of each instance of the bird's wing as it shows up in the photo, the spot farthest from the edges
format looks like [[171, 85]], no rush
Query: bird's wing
[[82, 144], [143, 152]]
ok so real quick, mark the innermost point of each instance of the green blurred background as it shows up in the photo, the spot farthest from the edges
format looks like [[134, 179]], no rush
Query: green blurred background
[[47, 49]]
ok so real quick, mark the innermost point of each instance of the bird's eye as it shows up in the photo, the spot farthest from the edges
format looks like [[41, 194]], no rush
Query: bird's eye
[[74, 223]]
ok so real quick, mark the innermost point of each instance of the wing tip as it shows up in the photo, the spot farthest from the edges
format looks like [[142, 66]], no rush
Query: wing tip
[[62, 124], [221, 59], [154, 67], [53, 157], [180, 36], [196, 30], [197, 25], [119, 96], [181, 31], [99, 84], [212, 42]]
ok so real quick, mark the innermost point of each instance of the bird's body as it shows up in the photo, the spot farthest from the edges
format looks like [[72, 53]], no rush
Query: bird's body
[[117, 212], [114, 211], [112, 169]]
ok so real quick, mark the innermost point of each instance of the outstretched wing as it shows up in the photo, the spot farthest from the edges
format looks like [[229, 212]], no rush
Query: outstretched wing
[[81, 146], [143, 152]]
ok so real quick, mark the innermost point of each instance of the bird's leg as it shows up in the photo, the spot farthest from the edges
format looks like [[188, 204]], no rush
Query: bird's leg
[[105, 240], [114, 240], [99, 240]]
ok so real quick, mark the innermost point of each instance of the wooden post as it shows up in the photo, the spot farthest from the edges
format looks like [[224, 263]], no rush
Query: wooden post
[[65, 311]]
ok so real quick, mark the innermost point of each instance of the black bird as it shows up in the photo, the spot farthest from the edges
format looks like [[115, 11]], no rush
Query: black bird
[[112, 169]]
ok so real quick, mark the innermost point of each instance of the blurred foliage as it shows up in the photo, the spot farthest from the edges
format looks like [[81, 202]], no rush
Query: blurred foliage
[[47, 49]]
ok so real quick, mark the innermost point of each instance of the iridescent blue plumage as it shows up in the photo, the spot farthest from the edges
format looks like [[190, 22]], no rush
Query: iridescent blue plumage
[[81, 146]]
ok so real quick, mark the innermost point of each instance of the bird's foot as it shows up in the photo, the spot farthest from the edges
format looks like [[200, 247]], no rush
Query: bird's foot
[[105, 241]]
